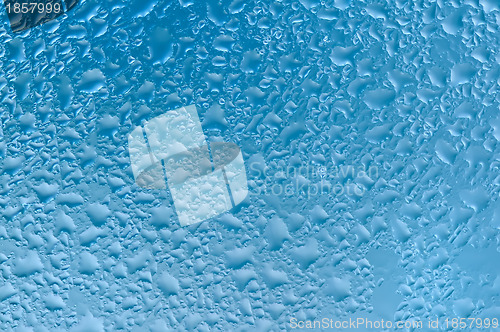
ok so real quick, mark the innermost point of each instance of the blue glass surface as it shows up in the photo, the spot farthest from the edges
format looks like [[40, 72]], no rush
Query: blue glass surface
[[371, 138]]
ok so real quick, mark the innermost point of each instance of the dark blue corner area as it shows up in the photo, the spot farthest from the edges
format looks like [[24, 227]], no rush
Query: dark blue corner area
[[26, 14]]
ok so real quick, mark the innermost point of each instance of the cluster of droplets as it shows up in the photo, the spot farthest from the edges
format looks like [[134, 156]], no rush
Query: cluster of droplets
[[410, 89]]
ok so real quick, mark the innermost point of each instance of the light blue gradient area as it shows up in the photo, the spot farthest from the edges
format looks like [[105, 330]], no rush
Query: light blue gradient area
[[370, 133]]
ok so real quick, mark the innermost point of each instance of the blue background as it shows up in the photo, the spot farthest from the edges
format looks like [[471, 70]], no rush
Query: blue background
[[410, 89]]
